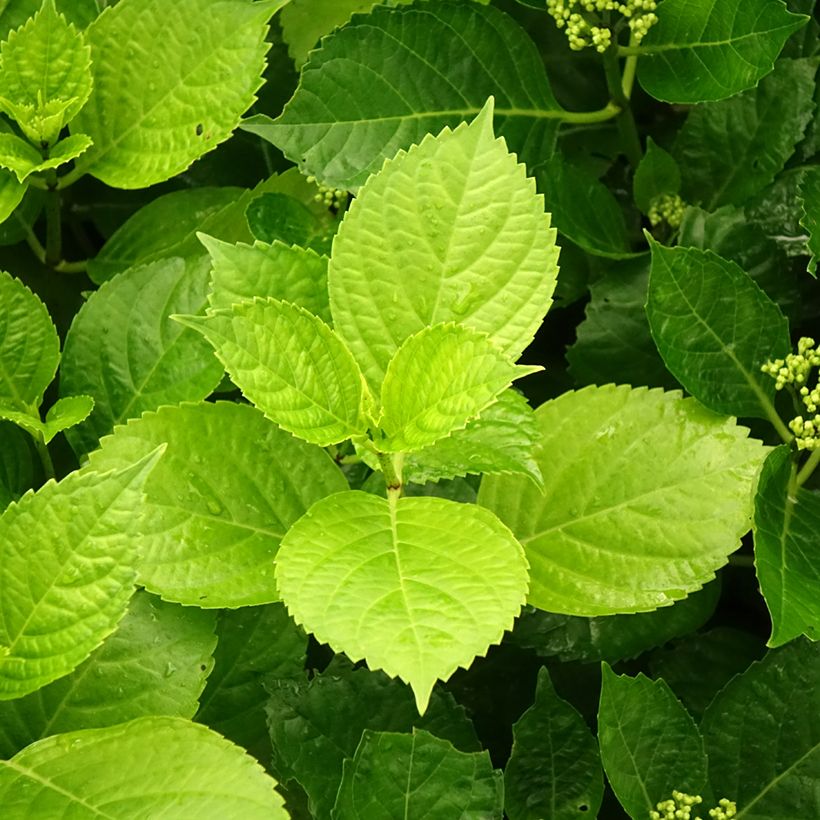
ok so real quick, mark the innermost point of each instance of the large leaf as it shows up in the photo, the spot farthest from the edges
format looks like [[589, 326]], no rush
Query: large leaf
[[67, 568], [810, 199], [650, 745], [406, 75], [712, 49], [714, 328], [452, 231], [554, 769], [229, 486], [291, 365], [124, 351], [169, 87], [417, 586], [399, 775], [171, 768], [762, 735], [608, 534], [154, 664], [731, 150]]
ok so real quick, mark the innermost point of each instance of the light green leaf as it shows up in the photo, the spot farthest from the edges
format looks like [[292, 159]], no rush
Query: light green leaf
[[67, 558], [291, 365], [11, 194], [609, 535], [406, 75], [656, 174], [228, 488], [417, 587], [62, 414], [731, 150], [155, 663], [125, 352], [394, 775], [168, 88], [714, 328], [17, 12], [810, 200], [440, 379], [452, 231], [290, 274], [786, 521], [16, 468], [29, 346], [712, 49], [649, 743], [554, 769], [45, 62], [171, 768]]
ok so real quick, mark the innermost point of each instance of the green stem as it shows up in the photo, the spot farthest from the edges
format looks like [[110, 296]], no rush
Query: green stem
[[773, 416], [35, 181], [70, 178], [36, 246], [391, 464], [608, 112], [80, 266], [620, 87], [45, 456], [54, 228], [808, 468]]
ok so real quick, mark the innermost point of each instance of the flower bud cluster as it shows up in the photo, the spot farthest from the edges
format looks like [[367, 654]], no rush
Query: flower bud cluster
[[667, 208], [681, 805], [726, 810], [331, 197], [584, 26]]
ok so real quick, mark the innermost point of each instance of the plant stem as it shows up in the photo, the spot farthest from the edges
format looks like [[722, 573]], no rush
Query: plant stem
[[36, 247], [35, 181], [45, 456], [608, 112], [773, 416], [808, 468], [742, 561], [391, 465], [70, 178], [80, 266], [54, 228], [620, 87]]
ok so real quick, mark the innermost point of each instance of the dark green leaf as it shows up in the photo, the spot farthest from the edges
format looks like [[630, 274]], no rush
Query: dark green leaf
[[657, 174], [16, 471], [810, 200]]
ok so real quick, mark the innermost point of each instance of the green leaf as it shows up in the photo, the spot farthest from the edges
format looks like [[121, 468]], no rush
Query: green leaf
[[125, 352], [16, 469], [650, 745], [171, 768], [712, 49], [733, 149], [62, 414], [46, 61], [279, 216], [17, 12], [555, 768], [291, 365], [11, 194], [289, 274], [67, 558], [761, 735], [810, 200], [29, 346], [417, 587], [431, 80], [714, 328], [228, 488], [609, 535], [23, 159], [440, 379], [656, 174], [786, 521], [452, 231], [316, 724], [254, 643], [154, 664], [169, 88], [399, 775]]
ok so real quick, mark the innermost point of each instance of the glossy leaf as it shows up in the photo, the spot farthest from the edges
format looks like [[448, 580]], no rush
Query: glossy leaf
[[810, 199], [657, 174], [417, 587], [609, 535]]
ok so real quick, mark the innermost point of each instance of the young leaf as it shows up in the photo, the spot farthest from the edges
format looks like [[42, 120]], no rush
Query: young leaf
[[440, 379], [291, 365], [67, 559], [226, 491], [17, 12], [422, 246], [786, 521], [810, 200], [64, 413], [761, 734], [124, 351], [23, 159], [714, 328], [731, 150], [290, 274], [417, 587], [712, 49], [394, 775], [555, 768], [650, 746], [154, 664], [657, 174], [11, 194], [431, 80], [608, 535], [174, 769], [169, 88]]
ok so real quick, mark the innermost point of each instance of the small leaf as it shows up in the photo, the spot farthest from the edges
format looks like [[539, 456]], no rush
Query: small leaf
[[656, 174], [417, 587], [440, 379], [291, 365], [394, 775], [650, 745], [609, 536], [713, 49], [714, 328], [23, 159], [11, 194], [810, 200], [175, 769], [554, 769], [64, 413]]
